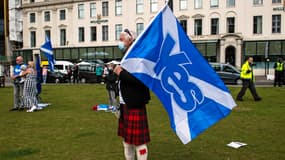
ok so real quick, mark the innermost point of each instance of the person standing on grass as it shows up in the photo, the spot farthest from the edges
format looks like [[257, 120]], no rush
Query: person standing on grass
[[111, 85], [99, 73], [30, 88], [279, 71], [247, 78], [18, 85], [133, 95], [44, 74], [75, 74]]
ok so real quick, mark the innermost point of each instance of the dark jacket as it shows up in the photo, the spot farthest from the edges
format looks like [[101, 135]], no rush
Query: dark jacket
[[134, 93], [111, 81]]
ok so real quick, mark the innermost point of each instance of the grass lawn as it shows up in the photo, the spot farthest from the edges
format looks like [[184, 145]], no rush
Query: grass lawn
[[70, 130]]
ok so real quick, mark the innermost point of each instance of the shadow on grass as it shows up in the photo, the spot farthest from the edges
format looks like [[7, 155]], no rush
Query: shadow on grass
[[15, 154]]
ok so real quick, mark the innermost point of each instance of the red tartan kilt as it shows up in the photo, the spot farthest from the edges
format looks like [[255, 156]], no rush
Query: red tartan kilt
[[133, 125]]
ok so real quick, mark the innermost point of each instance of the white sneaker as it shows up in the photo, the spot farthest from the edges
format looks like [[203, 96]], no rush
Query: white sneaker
[[32, 109]]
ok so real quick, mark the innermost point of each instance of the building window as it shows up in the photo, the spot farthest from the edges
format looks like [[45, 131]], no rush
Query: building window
[[198, 4], [118, 7], [257, 2], [209, 50], [32, 17], [105, 8], [81, 11], [140, 28], [257, 24], [183, 4], [33, 38], [47, 34], [32, 1], [105, 33], [62, 14], [184, 25], [62, 37], [277, 1], [214, 26], [231, 3], [214, 3], [139, 6], [276, 23], [197, 27], [93, 32], [92, 9], [153, 6], [260, 49], [231, 24], [47, 16], [81, 34], [118, 30]]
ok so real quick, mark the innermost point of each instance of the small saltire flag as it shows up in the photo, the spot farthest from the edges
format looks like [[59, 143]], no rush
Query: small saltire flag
[[165, 60], [48, 52]]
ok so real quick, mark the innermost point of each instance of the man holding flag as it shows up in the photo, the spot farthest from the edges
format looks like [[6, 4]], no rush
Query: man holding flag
[[166, 61], [133, 95]]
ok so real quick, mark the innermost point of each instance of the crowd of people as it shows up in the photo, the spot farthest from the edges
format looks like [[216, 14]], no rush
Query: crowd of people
[[133, 94], [75, 74]]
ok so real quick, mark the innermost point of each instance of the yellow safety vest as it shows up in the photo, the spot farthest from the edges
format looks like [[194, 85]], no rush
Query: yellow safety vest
[[279, 66], [243, 74]]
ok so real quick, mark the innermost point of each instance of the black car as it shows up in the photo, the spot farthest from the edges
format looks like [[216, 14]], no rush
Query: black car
[[228, 73], [87, 73], [56, 77]]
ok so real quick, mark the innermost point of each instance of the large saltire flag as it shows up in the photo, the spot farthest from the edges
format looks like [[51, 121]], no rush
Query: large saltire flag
[[46, 48], [165, 60]]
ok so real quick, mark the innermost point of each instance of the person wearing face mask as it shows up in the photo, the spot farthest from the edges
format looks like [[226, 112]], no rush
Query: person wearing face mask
[[133, 96], [247, 78]]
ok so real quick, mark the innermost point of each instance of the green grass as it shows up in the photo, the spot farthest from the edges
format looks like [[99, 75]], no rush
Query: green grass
[[70, 130]]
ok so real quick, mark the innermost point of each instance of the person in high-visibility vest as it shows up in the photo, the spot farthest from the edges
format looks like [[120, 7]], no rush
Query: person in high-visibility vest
[[247, 78], [279, 71]]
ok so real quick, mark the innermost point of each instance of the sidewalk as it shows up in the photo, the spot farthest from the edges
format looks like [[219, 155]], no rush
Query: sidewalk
[[262, 80]]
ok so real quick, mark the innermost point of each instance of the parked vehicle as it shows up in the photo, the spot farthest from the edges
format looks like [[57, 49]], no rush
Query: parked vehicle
[[62, 66], [2, 81], [2, 76], [114, 62], [228, 73], [56, 77], [96, 62], [87, 72]]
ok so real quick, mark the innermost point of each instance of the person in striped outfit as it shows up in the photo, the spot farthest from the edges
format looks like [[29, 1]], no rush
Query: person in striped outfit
[[30, 88]]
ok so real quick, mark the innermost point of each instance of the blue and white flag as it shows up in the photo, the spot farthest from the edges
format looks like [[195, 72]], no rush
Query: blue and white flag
[[165, 60], [48, 52]]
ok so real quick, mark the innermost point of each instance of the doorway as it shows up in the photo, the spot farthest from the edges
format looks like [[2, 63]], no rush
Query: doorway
[[230, 55]]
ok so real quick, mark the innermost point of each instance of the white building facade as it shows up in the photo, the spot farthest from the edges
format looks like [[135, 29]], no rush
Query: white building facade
[[223, 30]]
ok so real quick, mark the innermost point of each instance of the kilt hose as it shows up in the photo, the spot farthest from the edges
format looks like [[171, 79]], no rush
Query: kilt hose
[[133, 125]]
